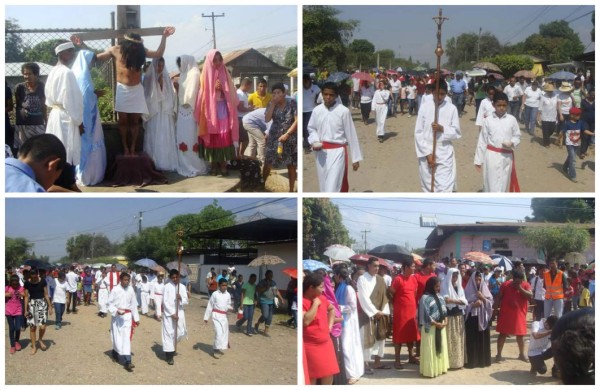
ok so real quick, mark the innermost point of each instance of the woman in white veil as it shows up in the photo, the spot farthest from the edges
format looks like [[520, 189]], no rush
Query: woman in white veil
[[456, 302], [159, 139]]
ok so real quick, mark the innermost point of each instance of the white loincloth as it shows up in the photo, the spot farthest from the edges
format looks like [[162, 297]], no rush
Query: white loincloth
[[131, 99]]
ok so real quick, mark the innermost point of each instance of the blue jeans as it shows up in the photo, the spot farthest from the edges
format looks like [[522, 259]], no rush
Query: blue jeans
[[530, 116], [458, 99], [569, 164], [59, 309], [393, 102], [14, 329], [248, 315], [515, 107], [411, 106], [267, 313]]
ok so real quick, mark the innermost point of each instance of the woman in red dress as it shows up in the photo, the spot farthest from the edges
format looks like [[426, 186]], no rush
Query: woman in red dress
[[405, 328], [317, 318], [513, 300]]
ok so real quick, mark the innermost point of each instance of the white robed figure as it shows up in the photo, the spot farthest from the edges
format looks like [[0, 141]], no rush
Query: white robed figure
[[365, 285], [498, 138], [331, 127], [218, 305], [380, 106], [445, 169], [486, 108], [351, 344], [172, 317], [64, 99], [156, 294], [159, 125], [122, 305], [190, 164], [103, 285], [92, 165], [145, 296]]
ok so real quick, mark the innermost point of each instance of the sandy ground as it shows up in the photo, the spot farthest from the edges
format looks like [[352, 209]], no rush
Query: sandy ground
[[511, 371], [392, 166], [79, 353]]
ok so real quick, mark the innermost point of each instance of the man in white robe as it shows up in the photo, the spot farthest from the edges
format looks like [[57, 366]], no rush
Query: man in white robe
[[123, 308], [446, 130], [173, 314], [102, 288], [330, 132], [113, 277], [218, 305], [156, 294], [64, 98], [380, 106], [366, 285], [498, 137]]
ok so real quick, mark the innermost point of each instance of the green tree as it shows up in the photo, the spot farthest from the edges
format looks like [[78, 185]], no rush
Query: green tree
[[16, 251], [463, 49], [386, 58], [575, 210], [151, 243], [361, 52], [556, 42], [43, 52], [85, 246], [291, 57], [556, 241], [325, 37], [13, 43], [323, 226], [511, 63]]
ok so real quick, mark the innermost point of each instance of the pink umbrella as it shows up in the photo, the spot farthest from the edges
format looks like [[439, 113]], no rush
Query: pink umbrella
[[498, 76], [390, 72], [363, 76], [478, 257]]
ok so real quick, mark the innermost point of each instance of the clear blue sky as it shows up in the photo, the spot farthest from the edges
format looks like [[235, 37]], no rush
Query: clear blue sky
[[410, 31], [396, 221], [49, 223], [242, 27]]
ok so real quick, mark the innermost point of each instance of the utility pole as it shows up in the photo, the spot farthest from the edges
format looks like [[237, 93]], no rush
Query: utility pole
[[478, 39], [140, 222], [365, 233], [93, 236], [213, 16]]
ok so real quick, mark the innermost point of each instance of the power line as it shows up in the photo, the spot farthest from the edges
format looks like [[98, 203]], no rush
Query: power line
[[528, 24]]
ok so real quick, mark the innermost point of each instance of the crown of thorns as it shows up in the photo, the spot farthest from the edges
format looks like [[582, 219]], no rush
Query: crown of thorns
[[128, 38]]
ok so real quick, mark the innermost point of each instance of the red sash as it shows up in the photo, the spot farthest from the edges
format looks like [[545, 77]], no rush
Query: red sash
[[329, 145], [219, 311], [133, 325], [514, 183], [111, 279]]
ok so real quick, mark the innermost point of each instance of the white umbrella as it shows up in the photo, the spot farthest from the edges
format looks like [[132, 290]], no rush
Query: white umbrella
[[339, 252], [502, 261]]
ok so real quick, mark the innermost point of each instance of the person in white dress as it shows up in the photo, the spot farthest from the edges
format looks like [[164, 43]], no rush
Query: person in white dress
[[64, 99], [498, 138], [190, 164], [218, 305], [330, 132], [159, 124], [144, 294], [156, 294], [123, 308], [486, 108], [380, 106], [346, 297], [173, 316], [446, 129], [102, 286]]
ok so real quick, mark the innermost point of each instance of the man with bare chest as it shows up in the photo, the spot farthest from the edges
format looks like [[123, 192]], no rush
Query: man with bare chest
[[130, 103]]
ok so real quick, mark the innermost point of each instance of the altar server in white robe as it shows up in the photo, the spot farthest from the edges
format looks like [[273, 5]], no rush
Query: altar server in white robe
[[447, 129], [64, 99], [218, 305], [122, 305], [330, 132], [103, 285], [144, 294], [486, 108], [380, 106], [173, 315], [498, 138], [156, 294]]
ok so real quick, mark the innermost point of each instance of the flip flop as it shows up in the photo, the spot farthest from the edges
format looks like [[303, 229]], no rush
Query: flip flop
[[414, 360], [43, 346], [398, 366], [382, 367]]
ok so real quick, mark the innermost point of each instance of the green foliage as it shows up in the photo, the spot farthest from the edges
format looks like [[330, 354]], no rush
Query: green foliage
[[575, 210], [463, 49], [43, 52], [556, 42], [511, 63], [325, 36], [291, 57], [151, 243], [556, 241], [16, 251], [13, 43], [81, 246], [360, 53], [323, 226]]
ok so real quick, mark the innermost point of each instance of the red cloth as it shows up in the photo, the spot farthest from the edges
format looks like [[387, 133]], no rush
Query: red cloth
[[320, 354], [421, 281], [575, 284], [513, 310], [305, 366], [405, 328], [110, 279], [514, 182], [329, 145]]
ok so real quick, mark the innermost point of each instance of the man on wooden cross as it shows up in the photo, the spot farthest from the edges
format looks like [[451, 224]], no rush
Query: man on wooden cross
[[130, 55]]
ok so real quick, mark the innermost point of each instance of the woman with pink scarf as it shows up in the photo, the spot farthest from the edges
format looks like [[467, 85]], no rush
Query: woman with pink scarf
[[216, 114], [336, 331]]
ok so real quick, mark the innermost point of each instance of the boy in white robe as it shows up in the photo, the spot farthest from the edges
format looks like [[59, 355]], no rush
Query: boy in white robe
[[102, 286], [330, 132], [446, 129], [123, 308], [144, 294], [380, 106], [173, 314], [156, 294], [218, 305], [64, 99], [498, 137], [487, 107]]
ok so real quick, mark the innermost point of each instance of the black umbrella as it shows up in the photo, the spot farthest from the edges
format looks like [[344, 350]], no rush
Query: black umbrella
[[391, 252], [534, 262], [37, 263], [337, 77]]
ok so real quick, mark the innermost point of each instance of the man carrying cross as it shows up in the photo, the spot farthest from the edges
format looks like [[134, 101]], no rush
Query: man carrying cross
[[130, 55]]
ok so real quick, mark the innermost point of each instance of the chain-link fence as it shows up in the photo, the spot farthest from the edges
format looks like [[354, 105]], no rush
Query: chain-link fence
[[37, 45]]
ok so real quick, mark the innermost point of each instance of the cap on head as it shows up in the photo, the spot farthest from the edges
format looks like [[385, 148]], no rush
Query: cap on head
[[63, 46]]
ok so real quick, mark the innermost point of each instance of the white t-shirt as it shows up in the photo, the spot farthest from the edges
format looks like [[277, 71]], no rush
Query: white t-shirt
[[548, 108], [532, 98], [243, 98], [309, 96], [71, 279], [411, 92], [60, 292], [395, 85], [538, 346], [566, 102], [513, 93], [366, 94]]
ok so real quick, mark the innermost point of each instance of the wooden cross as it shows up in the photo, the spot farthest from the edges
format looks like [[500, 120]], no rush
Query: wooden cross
[[118, 34]]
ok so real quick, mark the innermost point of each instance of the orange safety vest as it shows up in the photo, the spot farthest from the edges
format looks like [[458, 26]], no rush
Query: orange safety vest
[[554, 288]]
